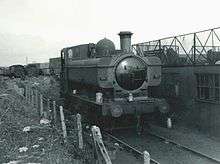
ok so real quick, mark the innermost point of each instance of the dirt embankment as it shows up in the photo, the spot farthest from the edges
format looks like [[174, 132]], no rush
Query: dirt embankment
[[22, 138]]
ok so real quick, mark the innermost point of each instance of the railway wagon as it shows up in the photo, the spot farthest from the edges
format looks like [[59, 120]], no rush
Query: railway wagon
[[6, 71], [55, 66], [33, 69], [17, 71], [2, 71], [44, 69], [108, 84]]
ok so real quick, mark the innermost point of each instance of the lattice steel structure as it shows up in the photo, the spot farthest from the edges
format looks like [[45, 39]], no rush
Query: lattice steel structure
[[198, 48]]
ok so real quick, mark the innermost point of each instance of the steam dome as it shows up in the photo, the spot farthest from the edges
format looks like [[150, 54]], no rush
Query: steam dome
[[104, 46]]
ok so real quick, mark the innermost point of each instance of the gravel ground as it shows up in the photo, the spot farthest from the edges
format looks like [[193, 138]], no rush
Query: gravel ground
[[161, 151], [123, 157], [190, 138]]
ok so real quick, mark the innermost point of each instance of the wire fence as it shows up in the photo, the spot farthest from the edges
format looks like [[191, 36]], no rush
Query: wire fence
[[50, 111]]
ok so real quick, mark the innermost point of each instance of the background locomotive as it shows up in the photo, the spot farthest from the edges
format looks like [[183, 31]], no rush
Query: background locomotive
[[33, 69], [108, 84], [55, 66]]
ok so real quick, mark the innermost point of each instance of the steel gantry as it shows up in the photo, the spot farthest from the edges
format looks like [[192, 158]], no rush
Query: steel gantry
[[197, 48]]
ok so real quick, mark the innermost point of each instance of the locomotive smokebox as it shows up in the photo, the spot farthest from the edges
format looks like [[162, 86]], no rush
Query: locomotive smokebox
[[125, 40]]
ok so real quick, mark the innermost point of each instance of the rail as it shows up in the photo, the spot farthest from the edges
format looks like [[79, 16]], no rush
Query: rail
[[130, 148], [47, 109], [184, 147]]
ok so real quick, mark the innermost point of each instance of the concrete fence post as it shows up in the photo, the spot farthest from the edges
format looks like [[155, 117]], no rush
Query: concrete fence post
[[54, 112], [26, 92], [32, 97], [48, 109], [29, 93], [169, 123], [41, 105], [36, 99], [100, 149], [146, 157], [79, 130], [63, 124]]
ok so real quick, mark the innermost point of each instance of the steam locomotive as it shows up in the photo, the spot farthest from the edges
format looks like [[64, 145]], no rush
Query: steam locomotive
[[106, 84]]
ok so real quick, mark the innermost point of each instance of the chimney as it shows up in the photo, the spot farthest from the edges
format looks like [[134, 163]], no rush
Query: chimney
[[125, 40]]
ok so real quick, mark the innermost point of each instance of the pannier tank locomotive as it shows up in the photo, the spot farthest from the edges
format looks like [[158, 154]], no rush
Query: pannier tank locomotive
[[108, 84]]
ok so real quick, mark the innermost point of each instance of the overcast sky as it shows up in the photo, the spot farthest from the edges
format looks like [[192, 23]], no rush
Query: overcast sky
[[38, 29]]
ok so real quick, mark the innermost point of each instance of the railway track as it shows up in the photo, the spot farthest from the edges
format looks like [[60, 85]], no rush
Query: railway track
[[203, 155], [129, 148], [178, 153]]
